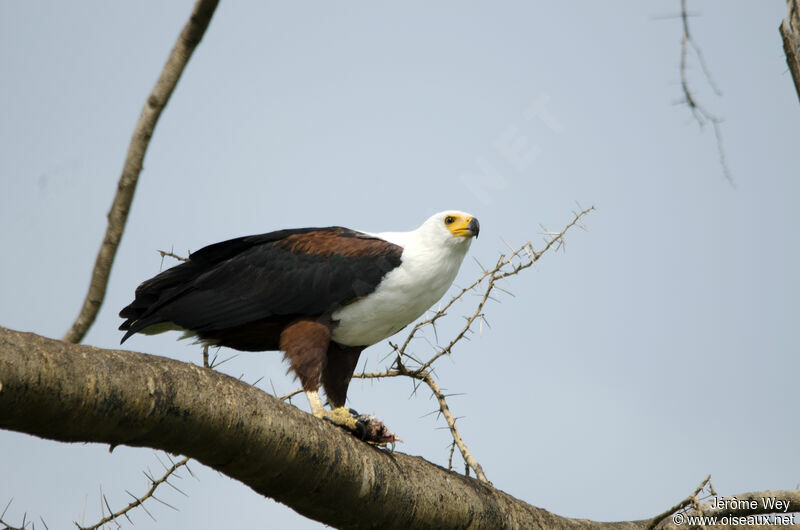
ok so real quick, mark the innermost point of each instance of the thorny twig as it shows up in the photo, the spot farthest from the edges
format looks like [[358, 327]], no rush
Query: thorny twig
[[139, 501], [290, 395], [170, 254], [699, 112]]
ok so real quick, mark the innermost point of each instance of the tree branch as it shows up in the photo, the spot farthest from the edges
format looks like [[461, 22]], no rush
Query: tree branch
[[75, 393], [790, 32], [137, 501], [698, 111], [176, 62]]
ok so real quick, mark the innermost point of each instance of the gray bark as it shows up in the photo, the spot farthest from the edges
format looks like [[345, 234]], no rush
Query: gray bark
[[76, 393]]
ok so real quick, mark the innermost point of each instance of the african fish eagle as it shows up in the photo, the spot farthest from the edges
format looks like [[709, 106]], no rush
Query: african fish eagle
[[320, 295]]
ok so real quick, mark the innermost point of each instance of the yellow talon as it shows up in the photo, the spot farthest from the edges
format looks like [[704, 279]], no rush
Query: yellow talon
[[341, 416]]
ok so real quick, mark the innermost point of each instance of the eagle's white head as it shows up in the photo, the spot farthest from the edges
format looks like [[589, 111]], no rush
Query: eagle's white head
[[450, 228], [448, 233], [441, 242]]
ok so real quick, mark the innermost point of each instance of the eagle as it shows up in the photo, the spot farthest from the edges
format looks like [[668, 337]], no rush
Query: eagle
[[319, 295]]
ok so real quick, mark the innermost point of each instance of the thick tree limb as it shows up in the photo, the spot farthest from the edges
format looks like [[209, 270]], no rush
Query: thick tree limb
[[75, 393], [176, 62], [790, 31], [72, 393]]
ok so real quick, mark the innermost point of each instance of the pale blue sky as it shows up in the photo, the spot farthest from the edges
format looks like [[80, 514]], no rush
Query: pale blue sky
[[659, 348]]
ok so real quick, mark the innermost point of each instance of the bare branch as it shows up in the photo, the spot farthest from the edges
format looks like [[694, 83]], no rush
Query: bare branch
[[61, 391], [451, 423], [118, 215], [139, 501], [700, 113], [290, 394], [170, 254]]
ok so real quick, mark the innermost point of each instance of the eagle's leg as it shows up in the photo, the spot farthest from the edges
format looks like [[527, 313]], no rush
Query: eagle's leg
[[315, 403], [338, 371], [336, 375], [305, 345]]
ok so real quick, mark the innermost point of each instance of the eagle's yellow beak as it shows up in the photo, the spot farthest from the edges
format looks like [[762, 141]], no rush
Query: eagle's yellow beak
[[465, 226]]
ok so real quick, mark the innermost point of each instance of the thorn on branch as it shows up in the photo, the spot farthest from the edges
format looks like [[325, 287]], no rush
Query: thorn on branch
[[172, 255]]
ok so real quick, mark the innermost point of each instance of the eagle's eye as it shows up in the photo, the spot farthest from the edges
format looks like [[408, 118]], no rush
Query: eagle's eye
[[449, 220]]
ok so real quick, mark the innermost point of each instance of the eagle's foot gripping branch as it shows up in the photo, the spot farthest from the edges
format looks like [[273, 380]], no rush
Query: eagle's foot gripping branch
[[341, 416], [364, 426]]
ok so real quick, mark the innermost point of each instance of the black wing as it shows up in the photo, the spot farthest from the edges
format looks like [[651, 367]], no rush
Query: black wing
[[301, 272]]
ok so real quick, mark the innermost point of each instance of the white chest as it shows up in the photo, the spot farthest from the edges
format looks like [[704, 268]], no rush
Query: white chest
[[402, 297]]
